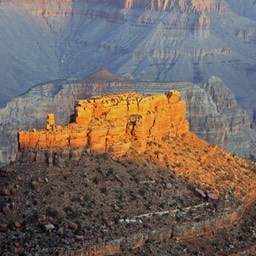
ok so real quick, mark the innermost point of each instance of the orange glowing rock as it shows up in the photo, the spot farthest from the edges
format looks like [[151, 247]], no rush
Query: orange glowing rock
[[113, 124], [50, 121]]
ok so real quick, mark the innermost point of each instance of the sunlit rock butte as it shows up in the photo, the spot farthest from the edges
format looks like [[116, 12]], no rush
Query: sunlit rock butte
[[111, 124]]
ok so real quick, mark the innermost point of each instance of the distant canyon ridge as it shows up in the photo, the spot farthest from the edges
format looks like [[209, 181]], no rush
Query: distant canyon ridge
[[144, 41], [148, 40]]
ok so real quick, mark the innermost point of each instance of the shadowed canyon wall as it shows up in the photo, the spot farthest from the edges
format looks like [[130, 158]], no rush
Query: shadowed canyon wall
[[148, 40]]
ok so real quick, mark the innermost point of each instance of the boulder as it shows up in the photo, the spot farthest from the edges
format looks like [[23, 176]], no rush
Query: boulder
[[200, 193], [72, 225], [35, 185], [212, 196], [49, 227]]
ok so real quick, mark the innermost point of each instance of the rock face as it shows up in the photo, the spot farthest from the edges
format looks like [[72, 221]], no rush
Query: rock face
[[60, 8], [110, 124], [203, 27], [214, 114]]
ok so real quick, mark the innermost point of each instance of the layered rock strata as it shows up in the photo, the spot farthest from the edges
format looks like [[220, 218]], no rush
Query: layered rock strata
[[227, 124], [151, 40], [200, 24], [47, 8], [111, 124], [214, 114]]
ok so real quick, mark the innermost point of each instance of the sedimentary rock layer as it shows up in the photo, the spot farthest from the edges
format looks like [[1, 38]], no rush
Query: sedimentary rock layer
[[111, 124]]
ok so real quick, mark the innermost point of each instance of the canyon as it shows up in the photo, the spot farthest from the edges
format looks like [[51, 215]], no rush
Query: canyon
[[98, 162], [164, 41]]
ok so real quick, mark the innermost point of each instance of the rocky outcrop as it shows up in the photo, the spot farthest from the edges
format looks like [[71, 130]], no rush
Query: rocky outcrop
[[203, 27], [214, 114], [110, 124], [29, 110], [247, 35]]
